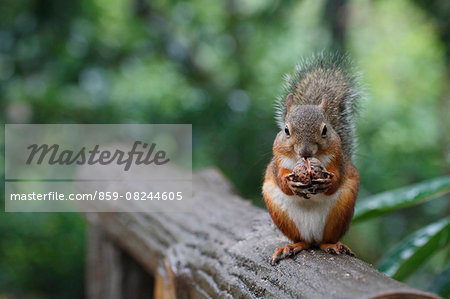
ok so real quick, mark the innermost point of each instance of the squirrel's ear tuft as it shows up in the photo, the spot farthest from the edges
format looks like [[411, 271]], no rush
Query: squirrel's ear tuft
[[324, 102], [289, 101]]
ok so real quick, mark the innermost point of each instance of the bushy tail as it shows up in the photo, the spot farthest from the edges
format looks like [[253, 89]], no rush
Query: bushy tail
[[331, 76]]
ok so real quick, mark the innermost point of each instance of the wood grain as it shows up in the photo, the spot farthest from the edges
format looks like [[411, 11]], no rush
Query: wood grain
[[222, 249]]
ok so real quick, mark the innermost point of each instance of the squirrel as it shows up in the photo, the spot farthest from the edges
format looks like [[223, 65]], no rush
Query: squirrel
[[316, 120]]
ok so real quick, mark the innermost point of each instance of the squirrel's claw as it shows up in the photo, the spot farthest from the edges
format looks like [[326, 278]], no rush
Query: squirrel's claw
[[290, 177], [336, 248], [320, 185], [299, 188], [298, 184], [287, 251], [279, 254], [321, 181]]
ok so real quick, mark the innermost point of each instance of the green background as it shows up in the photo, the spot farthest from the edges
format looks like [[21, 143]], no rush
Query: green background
[[219, 65]]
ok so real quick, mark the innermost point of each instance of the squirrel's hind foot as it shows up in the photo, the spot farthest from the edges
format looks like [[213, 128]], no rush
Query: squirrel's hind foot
[[336, 248], [287, 251]]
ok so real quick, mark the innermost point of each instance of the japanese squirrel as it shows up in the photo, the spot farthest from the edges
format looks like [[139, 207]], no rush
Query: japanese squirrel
[[316, 120]]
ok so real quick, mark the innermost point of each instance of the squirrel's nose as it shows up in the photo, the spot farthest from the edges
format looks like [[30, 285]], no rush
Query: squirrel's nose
[[308, 151], [305, 155]]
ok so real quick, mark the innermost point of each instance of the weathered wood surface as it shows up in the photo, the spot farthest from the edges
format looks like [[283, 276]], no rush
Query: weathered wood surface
[[111, 273], [222, 249]]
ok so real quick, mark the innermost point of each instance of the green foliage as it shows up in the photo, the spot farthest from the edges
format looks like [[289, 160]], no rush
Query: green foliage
[[42, 255], [409, 254], [390, 201], [441, 283], [406, 257]]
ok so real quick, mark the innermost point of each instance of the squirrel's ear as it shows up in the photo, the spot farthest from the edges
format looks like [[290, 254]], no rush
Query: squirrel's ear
[[324, 102], [289, 101]]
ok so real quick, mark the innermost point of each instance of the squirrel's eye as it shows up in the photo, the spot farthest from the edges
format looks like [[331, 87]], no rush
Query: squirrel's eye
[[324, 131], [286, 130]]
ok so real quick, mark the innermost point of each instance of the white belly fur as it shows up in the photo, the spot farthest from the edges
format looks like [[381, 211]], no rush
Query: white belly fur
[[309, 215]]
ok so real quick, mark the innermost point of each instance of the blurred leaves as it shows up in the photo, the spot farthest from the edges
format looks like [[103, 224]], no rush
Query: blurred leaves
[[42, 255], [390, 201], [219, 66], [409, 254], [404, 258], [441, 283]]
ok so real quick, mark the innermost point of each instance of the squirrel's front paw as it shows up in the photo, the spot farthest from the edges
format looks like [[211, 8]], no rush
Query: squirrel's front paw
[[320, 185], [316, 186], [299, 188], [309, 176]]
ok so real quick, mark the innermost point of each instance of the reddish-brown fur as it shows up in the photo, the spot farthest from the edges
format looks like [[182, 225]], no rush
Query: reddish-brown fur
[[341, 214], [346, 180], [314, 123]]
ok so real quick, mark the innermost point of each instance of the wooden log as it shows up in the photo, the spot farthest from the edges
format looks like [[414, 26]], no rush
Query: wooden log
[[222, 249], [111, 272]]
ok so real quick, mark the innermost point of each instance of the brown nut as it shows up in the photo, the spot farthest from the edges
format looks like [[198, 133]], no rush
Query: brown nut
[[308, 171], [301, 173], [317, 170]]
